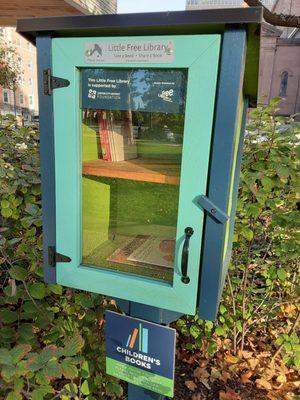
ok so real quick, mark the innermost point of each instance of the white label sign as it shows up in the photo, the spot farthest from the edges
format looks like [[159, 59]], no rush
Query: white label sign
[[150, 51]]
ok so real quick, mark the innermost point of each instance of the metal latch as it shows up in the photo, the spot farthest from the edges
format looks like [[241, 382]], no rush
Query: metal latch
[[54, 257], [52, 82], [212, 209]]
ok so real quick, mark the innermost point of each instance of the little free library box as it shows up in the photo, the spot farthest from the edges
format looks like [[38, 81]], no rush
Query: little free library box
[[142, 119]]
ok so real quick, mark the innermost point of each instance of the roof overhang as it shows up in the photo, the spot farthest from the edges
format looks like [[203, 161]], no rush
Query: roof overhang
[[11, 11]]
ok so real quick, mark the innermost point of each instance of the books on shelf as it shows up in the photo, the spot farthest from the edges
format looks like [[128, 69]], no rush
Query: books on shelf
[[117, 142], [145, 249]]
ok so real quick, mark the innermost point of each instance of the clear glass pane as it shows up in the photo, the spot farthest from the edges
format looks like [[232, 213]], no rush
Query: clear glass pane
[[132, 133]]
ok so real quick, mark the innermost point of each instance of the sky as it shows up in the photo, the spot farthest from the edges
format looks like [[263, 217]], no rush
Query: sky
[[131, 6]]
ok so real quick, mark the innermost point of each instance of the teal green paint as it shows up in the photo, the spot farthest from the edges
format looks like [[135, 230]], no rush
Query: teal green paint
[[198, 53], [139, 377]]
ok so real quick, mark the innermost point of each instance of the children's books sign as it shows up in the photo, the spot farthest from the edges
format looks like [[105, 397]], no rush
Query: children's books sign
[[141, 353]]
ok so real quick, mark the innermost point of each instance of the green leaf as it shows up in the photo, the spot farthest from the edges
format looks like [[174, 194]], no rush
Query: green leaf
[[8, 316], [85, 370], [56, 289], [37, 290], [195, 331], [53, 369], [223, 309], [281, 273], [6, 357], [114, 389], [71, 388], [25, 331], [18, 273], [19, 352], [268, 183], [47, 354], [6, 212], [41, 392], [85, 388], [239, 326], [32, 209], [4, 204], [7, 372], [73, 347], [283, 172], [14, 396], [212, 348], [209, 325], [84, 300], [247, 233], [41, 378], [69, 369], [220, 331], [22, 368]]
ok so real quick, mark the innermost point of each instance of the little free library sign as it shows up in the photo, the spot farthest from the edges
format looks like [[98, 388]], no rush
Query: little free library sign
[[141, 353], [149, 90], [144, 51]]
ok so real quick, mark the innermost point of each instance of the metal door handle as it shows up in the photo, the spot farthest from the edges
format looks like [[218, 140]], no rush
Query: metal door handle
[[185, 255]]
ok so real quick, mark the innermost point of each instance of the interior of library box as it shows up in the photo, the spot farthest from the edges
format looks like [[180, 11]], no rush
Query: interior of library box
[[130, 190]]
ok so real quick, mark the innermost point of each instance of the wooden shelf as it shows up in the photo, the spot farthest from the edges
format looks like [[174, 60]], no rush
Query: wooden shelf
[[137, 169]]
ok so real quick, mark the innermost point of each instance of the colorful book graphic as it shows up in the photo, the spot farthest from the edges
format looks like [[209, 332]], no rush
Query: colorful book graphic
[[139, 335]]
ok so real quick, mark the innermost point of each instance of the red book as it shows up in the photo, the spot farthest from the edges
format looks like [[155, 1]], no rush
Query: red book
[[104, 135]]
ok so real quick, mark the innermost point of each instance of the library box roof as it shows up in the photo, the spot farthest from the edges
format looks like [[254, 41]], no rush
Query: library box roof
[[158, 23]]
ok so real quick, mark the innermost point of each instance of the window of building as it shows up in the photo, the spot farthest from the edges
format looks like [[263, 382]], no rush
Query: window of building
[[5, 97], [21, 99], [31, 100], [30, 82], [21, 81], [1, 32], [30, 64], [20, 61], [283, 83]]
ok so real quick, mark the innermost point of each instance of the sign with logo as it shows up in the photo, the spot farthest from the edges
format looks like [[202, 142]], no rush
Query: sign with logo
[[140, 352], [141, 51], [150, 90]]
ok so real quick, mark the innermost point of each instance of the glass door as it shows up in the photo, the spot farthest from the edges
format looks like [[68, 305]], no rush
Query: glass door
[[132, 144], [132, 136]]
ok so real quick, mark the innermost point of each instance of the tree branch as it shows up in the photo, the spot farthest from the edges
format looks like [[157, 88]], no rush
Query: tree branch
[[292, 21]]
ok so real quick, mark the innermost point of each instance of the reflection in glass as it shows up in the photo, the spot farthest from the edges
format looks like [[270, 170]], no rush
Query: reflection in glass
[[132, 134]]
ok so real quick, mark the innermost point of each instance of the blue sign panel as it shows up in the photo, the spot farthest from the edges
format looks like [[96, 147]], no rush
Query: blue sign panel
[[150, 90], [140, 352]]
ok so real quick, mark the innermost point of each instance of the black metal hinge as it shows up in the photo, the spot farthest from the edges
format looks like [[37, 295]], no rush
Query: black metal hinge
[[52, 82], [54, 257]]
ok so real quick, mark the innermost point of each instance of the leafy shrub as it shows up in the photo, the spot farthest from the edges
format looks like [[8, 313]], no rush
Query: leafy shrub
[[51, 339], [260, 304]]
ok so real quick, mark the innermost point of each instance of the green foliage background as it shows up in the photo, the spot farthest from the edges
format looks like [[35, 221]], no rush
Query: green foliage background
[[51, 338], [261, 298]]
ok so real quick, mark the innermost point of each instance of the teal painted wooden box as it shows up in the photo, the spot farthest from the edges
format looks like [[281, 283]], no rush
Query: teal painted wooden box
[[142, 121]]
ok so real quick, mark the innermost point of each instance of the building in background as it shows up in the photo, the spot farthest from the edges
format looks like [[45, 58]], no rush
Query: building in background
[[279, 74], [24, 100], [280, 61], [205, 4]]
